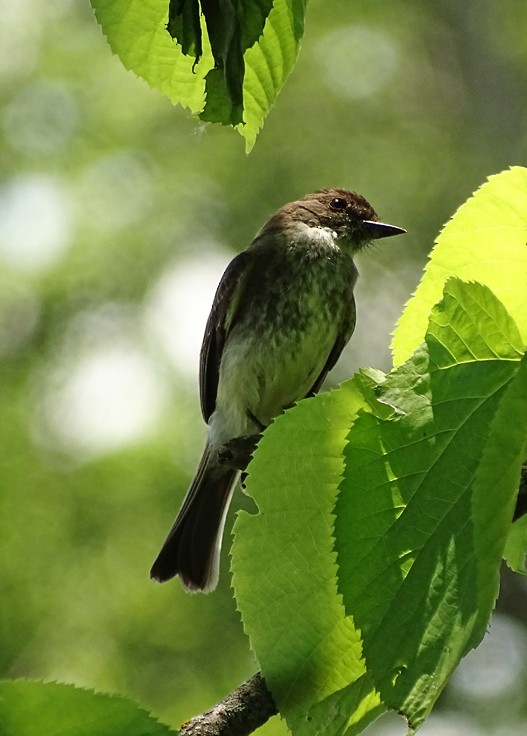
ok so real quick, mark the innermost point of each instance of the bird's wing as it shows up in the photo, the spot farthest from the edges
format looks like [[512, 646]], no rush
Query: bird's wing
[[340, 343], [218, 324]]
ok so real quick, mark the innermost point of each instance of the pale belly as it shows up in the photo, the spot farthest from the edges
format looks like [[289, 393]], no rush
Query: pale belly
[[282, 334], [261, 378]]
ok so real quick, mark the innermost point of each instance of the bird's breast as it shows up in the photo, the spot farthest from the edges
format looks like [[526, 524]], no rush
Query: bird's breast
[[287, 323]]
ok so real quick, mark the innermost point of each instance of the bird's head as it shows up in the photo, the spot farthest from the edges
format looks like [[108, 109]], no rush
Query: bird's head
[[339, 211]]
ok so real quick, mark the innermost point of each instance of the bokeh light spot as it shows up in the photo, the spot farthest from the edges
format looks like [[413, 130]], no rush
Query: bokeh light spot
[[103, 392], [177, 308], [35, 222], [357, 61]]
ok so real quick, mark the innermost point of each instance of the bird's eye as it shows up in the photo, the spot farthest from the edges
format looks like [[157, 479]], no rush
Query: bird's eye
[[338, 203]]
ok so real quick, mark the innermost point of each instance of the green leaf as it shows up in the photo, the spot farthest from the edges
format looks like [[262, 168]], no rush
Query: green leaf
[[184, 26], [219, 107], [136, 31], [376, 612], [486, 242], [515, 554], [227, 23], [51, 709], [233, 28], [269, 62], [284, 568], [227, 68], [423, 518]]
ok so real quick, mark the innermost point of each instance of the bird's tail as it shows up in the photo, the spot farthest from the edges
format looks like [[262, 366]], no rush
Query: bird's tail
[[192, 548]]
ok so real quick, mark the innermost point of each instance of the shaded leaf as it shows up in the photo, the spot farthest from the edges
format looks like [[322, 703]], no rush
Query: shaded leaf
[[422, 522], [218, 108], [185, 27]]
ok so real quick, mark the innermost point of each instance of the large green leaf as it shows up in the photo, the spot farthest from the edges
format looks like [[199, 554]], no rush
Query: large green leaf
[[285, 572], [422, 521], [486, 242], [238, 79], [376, 612], [52, 709]]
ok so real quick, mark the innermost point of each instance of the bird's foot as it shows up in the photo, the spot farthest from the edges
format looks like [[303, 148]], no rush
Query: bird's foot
[[237, 453]]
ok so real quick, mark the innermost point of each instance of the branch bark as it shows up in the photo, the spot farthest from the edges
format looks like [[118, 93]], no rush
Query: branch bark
[[238, 714]]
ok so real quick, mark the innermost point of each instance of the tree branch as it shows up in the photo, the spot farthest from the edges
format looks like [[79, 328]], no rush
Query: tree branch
[[239, 714]]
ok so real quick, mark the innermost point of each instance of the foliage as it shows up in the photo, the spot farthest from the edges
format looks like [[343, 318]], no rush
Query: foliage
[[117, 214], [38, 709], [228, 67], [484, 242], [384, 507], [516, 545]]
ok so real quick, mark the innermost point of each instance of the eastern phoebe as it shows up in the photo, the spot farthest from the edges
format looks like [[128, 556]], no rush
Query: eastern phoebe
[[283, 311]]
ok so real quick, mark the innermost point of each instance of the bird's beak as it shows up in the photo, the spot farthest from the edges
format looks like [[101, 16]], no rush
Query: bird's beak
[[381, 230]]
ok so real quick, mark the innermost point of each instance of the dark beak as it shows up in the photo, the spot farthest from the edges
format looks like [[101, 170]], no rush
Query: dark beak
[[376, 230]]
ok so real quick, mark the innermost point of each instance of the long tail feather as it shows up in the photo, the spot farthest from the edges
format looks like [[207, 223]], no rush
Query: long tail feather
[[192, 548]]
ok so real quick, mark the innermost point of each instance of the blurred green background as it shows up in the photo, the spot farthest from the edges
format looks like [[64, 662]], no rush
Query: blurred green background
[[118, 214]]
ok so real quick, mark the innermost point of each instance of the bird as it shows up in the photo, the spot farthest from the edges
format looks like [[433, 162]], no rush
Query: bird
[[281, 316]]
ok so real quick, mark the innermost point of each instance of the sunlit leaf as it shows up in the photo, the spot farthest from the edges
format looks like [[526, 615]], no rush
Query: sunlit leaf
[[227, 67], [486, 241], [285, 572], [406, 468]]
